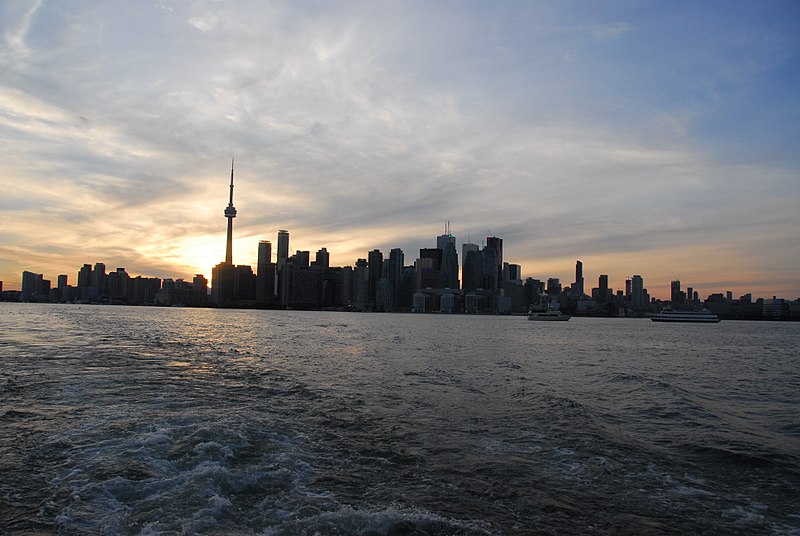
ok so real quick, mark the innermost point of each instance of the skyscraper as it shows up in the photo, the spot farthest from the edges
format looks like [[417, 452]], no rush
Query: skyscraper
[[394, 274], [283, 247], [449, 267], [465, 249], [602, 283], [637, 291], [577, 287], [265, 273], [375, 264], [361, 284], [99, 278], [230, 213], [492, 242], [472, 268], [676, 296], [85, 276], [30, 284], [264, 252]]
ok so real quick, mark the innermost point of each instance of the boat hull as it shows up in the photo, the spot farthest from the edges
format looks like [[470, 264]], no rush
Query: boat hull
[[694, 317], [687, 320], [548, 318]]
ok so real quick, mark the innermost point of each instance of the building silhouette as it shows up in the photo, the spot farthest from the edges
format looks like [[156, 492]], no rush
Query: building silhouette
[[265, 274], [577, 286], [375, 264], [449, 264], [232, 285]]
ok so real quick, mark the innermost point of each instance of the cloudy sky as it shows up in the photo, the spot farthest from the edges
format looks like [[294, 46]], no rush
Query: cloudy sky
[[656, 138]]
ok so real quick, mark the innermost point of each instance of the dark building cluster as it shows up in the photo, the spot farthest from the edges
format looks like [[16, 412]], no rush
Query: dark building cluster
[[487, 285], [118, 287], [484, 283]]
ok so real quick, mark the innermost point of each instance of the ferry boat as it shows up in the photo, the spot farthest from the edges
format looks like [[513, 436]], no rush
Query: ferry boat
[[704, 316], [548, 315]]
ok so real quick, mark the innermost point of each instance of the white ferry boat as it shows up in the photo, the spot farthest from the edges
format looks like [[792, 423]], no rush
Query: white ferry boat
[[548, 316], [704, 316]]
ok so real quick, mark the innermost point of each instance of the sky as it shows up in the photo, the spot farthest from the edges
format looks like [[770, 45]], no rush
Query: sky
[[641, 137]]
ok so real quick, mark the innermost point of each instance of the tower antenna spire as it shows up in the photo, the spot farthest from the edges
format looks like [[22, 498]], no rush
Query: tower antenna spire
[[230, 213]]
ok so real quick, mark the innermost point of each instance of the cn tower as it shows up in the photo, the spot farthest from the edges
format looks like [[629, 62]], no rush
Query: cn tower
[[230, 213]]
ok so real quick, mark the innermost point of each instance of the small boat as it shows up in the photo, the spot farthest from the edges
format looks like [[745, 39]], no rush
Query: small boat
[[705, 316], [548, 316]]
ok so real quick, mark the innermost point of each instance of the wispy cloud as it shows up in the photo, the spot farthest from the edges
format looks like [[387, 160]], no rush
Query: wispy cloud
[[15, 34]]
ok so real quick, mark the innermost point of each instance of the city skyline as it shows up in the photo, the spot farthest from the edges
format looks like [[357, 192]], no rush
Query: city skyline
[[266, 257], [642, 138]]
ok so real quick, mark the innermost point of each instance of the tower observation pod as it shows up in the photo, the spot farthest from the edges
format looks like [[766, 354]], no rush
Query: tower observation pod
[[230, 213]]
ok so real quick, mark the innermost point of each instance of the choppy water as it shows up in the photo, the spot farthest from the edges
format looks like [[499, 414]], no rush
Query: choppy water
[[120, 420]]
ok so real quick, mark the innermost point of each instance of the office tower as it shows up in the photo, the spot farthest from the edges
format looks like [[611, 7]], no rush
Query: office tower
[[394, 273], [85, 276], [676, 296], [405, 295], [283, 247], [472, 268], [602, 284], [512, 273], [346, 286], [118, 283], [534, 289], [492, 242], [375, 263], [323, 258], [383, 296], [307, 285], [449, 265], [331, 291], [244, 288], [361, 284], [282, 259], [628, 289], [428, 275], [264, 252], [99, 278], [554, 286], [265, 273], [30, 284], [200, 285], [435, 254], [637, 291], [496, 244], [690, 294], [429, 268], [62, 281], [577, 287], [230, 213], [465, 249], [490, 272]]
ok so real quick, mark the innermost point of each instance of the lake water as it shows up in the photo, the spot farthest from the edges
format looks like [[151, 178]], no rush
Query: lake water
[[123, 420]]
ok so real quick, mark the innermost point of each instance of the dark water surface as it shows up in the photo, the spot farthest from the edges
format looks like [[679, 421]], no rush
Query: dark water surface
[[117, 420]]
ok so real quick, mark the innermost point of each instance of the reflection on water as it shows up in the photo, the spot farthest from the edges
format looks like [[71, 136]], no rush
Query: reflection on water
[[142, 420]]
